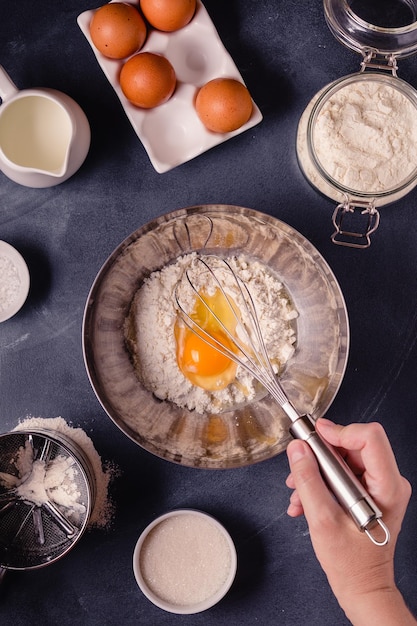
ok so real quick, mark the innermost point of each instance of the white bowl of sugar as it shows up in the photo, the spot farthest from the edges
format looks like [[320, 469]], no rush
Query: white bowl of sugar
[[14, 281], [185, 561]]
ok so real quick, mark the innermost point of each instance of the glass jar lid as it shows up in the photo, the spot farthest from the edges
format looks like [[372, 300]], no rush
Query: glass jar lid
[[388, 27]]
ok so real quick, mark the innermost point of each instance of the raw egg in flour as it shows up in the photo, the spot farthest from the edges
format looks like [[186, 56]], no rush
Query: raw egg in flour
[[199, 360]]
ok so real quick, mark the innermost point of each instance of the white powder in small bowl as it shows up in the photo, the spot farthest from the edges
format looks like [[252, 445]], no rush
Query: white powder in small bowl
[[14, 281], [185, 561], [9, 283]]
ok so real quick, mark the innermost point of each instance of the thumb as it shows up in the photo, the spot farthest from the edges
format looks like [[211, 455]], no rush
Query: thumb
[[315, 497]]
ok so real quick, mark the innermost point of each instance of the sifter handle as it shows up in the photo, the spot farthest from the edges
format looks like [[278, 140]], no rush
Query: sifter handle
[[348, 490]]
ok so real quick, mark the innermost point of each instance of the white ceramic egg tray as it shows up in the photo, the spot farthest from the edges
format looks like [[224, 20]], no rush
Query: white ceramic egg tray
[[172, 133]]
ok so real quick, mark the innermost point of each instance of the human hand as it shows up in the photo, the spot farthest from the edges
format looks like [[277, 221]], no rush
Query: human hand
[[360, 573]]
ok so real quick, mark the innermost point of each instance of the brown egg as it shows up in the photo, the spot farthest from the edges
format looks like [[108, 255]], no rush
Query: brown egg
[[147, 79], [223, 105], [168, 15], [117, 30]]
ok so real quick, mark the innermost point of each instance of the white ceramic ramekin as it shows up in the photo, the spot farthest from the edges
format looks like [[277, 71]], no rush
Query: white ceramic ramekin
[[185, 561], [20, 278]]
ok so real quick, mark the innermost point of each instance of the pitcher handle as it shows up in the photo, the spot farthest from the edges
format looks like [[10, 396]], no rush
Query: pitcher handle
[[7, 86]]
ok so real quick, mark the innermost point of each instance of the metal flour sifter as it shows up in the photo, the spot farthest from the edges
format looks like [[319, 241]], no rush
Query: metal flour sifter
[[47, 493]]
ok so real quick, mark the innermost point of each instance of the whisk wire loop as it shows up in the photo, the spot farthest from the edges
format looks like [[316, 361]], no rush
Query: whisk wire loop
[[251, 352]]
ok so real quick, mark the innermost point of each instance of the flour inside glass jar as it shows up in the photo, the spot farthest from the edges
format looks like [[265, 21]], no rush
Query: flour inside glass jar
[[150, 330], [365, 137]]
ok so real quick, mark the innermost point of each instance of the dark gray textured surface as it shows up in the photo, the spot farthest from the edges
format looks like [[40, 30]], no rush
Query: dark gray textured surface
[[285, 54]]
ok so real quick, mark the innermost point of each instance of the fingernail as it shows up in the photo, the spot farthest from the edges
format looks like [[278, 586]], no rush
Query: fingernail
[[296, 451], [325, 422]]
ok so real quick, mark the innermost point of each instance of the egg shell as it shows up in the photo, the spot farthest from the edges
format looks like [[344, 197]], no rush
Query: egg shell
[[223, 105], [147, 79], [117, 30], [168, 15]]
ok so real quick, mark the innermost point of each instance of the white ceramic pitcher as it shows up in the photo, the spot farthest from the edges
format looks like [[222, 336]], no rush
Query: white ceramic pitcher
[[44, 135]]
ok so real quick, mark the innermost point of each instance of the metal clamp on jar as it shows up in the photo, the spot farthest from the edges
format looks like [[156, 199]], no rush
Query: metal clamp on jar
[[357, 138]]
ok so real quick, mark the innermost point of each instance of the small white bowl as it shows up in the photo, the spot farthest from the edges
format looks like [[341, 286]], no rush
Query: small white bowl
[[185, 561], [14, 281]]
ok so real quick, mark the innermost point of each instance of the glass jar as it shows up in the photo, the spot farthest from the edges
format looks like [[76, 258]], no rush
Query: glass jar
[[357, 138]]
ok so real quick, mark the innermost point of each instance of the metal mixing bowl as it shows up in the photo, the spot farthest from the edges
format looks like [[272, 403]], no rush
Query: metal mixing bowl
[[248, 434]]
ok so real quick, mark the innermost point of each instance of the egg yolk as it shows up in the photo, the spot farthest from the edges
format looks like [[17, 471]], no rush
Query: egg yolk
[[202, 358], [198, 358]]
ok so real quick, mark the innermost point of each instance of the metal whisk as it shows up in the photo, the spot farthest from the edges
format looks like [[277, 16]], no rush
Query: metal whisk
[[251, 353]]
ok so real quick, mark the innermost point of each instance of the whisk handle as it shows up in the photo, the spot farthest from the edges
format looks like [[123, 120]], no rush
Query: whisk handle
[[348, 490]]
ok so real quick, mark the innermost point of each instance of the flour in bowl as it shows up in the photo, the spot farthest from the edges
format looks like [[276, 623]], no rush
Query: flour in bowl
[[150, 337]]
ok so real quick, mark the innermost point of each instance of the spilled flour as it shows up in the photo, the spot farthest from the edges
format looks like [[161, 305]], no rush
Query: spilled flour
[[38, 481]]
